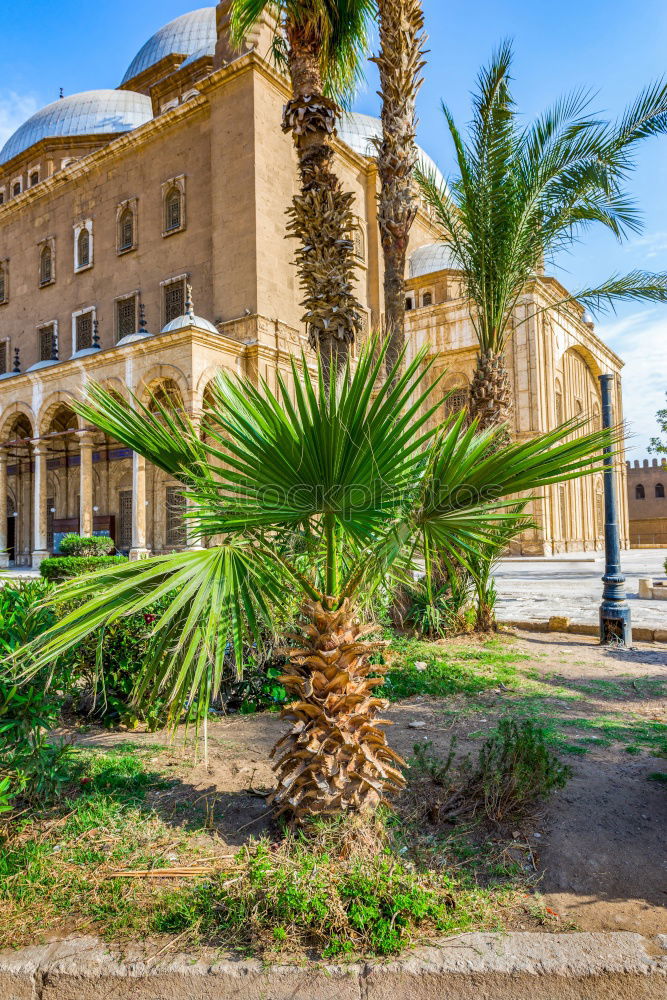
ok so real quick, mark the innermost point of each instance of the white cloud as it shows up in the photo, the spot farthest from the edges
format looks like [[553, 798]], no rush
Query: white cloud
[[648, 246], [14, 110], [640, 340]]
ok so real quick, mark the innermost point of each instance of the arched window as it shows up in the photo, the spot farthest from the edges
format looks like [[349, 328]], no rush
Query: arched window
[[46, 266], [3, 283], [427, 299], [660, 491], [640, 493], [408, 304], [83, 248], [457, 400], [173, 214], [126, 229], [359, 241], [34, 178], [559, 404]]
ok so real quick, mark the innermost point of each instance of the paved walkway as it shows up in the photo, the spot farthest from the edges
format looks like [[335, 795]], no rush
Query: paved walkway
[[535, 589]]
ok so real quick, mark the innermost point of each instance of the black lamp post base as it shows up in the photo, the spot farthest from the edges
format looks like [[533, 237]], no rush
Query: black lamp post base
[[615, 624]]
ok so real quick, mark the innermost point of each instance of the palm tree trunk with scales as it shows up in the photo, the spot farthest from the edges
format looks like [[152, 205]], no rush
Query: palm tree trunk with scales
[[491, 401], [320, 216], [335, 757], [400, 62]]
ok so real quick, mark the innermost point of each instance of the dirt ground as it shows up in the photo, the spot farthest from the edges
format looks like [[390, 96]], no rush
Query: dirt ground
[[600, 844]]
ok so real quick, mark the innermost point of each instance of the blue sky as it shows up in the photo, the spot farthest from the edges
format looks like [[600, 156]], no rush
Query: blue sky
[[607, 45]]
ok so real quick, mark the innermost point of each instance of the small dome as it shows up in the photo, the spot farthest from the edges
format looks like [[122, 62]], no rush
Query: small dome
[[358, 131], [94, 112], [185, 35], [429, 258], [188, 320]]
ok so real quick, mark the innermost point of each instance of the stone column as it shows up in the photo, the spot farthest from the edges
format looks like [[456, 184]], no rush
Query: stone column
[[40, 551], [4, 554], [139, 549], [192, 540], [86, 445]]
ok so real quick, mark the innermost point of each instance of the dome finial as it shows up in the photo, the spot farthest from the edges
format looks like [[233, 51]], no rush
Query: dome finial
[[17, 361], [96, 334], [54, 345], [189, 306], [142, 318]]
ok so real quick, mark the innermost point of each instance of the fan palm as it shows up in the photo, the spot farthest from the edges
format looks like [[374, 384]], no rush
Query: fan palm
[[323, 493], [524, 193], [320, 43], [400, 62]]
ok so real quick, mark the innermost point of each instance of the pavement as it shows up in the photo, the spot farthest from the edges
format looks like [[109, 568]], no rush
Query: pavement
[[570, 586], [538, 588], [475, 966]]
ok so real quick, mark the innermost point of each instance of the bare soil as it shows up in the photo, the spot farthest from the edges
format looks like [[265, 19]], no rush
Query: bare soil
[[599, 844]]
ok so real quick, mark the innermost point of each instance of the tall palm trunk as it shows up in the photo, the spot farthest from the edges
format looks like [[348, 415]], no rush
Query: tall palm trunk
[[400, 62], [320, 217], [335, 758], [491, 398]]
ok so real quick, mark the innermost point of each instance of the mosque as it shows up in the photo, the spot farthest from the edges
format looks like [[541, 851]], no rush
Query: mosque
[[115, 203]]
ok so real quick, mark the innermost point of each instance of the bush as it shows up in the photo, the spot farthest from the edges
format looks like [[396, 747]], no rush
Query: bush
[[515, 769], [65, 567], [81, 545]]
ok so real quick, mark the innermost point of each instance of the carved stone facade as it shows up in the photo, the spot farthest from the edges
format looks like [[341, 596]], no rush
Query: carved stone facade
[[113, 202]]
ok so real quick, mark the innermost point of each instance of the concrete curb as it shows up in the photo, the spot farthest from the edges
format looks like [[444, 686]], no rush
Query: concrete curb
[[639, 633], [513, 966]]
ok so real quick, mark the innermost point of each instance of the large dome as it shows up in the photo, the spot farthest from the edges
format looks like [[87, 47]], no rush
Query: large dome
[[428, 259], [185, 35], [358, 131], [94, 112]]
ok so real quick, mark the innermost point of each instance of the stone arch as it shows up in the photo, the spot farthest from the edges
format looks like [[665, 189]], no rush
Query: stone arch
[[51, 405], [162, 373], [8, 420]]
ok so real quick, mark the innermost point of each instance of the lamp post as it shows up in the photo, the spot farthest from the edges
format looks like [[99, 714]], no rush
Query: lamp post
[[615, 622]]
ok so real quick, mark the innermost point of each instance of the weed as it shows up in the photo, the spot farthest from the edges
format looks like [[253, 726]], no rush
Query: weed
[[660, 776], [514, 769]]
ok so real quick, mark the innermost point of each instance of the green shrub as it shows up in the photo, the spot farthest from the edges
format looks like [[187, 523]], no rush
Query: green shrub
[[85, 546], [514, 769], [23, 616], [64, 567]]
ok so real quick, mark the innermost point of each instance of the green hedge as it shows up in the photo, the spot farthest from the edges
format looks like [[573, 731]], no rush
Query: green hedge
[[65, 567], [86, 545]]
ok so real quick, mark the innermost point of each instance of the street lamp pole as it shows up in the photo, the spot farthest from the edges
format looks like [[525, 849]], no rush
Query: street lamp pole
[[615, 620]]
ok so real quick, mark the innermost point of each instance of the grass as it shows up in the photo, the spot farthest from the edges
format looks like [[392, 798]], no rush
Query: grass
[[333, 893], [340, 890], [496, 676]]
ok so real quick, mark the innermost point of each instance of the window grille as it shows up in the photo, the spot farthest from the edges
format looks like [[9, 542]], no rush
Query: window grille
[[173, 212], [457, 401], [45, 266], [3, 285], [126, 233], [83, 248], [84, 331], [427, 300], [4, 357], [176, 533], [46, 338], [174, 300], [124, 532], [126, 317], [34, 179]]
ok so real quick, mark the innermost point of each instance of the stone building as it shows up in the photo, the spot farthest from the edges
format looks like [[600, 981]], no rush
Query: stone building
[[113, 202], [647, 503]]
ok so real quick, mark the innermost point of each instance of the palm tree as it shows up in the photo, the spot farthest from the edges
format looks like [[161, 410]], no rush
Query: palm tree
[[524, 193], [321, 493], [400, 62], [320, 43]]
